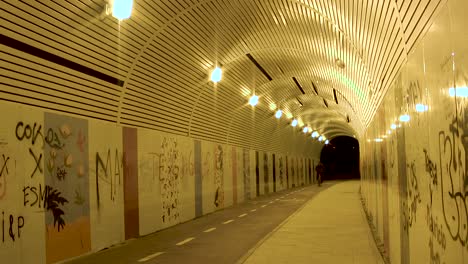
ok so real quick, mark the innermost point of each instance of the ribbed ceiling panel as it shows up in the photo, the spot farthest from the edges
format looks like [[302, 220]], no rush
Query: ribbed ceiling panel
[[152, 70]]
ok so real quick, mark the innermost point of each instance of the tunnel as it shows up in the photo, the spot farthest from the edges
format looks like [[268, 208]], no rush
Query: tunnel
[[216, 131]]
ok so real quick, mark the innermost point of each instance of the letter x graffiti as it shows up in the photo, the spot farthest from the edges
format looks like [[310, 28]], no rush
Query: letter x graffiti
[[38, 163], [5, 165]]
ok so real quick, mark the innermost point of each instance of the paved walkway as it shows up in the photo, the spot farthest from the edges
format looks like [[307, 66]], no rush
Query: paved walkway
[[330, 228]]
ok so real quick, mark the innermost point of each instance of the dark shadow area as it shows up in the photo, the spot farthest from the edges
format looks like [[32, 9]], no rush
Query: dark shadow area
[[341, 159]]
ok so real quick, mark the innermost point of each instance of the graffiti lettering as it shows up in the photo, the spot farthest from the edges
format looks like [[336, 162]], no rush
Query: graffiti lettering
[[431, 169], [435, 228], [434, 256], [414, 196], [38, 162], [48, 198], [14, 223], [28, 132], [53, 140], [115, 174], [3, 172]]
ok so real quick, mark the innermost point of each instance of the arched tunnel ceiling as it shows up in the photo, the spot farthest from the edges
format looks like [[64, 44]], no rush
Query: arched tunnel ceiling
[[327, 63]]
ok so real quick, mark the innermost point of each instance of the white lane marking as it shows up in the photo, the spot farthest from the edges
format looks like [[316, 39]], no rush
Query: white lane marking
[[277, 199], [228, 221], [242, 215], [150, 256], [264, 205], [271, 202], [253, 210], [185, 241], [209, 230]]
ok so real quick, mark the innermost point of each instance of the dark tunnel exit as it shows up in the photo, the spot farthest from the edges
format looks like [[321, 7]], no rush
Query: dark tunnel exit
[[341, 159]]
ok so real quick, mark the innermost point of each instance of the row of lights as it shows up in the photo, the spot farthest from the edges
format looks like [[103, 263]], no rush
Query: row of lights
[[216, 76], [453, 92], [403, 119]]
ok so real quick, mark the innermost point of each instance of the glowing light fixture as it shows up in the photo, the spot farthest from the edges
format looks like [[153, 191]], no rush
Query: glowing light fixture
[[253, 101], [294, 123], [389, 132], [405, 118], [459, 92], [305, 130], [393, 126], [289, 115], [216, 75], [121, 9], [315, 134], [421, 108], [378, 140], [278, 114], [320, 138], [326, 142]]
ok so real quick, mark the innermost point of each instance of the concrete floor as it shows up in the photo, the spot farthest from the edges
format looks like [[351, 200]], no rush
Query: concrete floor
[[304, 225]]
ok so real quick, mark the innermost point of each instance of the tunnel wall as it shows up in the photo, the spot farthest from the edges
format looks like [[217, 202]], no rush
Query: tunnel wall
[[415, 181], [70, 186]]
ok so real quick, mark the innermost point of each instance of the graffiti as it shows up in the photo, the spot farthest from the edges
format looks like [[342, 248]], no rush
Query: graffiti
[[281, 171], [112, 174], [10, 225], [169, 178], [3, 172], [434, 256], [435, 228], [38, 162], [218, 180], [48, 198], [453, 175], [431, 169], [32, 132], [413, 196]]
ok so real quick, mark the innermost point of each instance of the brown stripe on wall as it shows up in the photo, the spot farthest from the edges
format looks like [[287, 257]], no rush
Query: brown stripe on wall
[[131, 218]]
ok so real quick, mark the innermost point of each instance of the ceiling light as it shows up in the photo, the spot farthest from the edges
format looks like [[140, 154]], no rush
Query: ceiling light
[[378, 140], [404, 118], [253, 101], [121, 9], [320, 138], [278, 114], [216, 74], [315, 134], [272, 106], [459, 92], [326, 142], [294, 123], [305, 130], [289, 115], [421, 108], [389, 132], [393, 126]]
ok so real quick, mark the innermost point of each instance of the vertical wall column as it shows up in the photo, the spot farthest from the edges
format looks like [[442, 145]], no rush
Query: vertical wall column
[[131, 217]]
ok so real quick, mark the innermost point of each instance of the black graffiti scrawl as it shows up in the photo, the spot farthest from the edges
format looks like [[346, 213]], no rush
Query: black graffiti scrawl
[[453, 146]]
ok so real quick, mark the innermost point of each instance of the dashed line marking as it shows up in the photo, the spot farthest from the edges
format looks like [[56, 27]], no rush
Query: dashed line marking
[[264, 205], [253, 210], [185, 241], [271, 202], [210, 229], [228, 221], [150, 256], [277, 199], [242, 215]]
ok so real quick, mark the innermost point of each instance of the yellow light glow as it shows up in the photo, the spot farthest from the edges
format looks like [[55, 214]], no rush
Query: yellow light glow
[[272, 106]]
